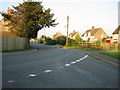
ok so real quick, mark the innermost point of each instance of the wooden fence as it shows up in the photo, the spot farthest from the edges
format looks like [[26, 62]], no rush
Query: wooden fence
[[13, 43]]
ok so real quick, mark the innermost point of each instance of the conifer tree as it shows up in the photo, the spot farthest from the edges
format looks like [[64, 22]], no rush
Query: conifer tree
[[28, 18]]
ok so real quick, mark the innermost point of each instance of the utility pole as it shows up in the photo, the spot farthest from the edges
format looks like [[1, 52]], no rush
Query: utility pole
[[67, 30]]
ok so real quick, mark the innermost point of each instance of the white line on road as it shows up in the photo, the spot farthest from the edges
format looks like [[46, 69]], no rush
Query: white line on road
[[47, 71], [83, 57], [10, 81], [80, 59], [77, 60], [72, 62], [67, 65], [32, 75]]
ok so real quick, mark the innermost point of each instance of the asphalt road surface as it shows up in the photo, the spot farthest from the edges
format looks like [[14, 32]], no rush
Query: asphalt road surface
[[52, 67]]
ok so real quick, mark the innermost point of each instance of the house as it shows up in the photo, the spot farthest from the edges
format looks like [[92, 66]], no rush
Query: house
[[115, 35], [4, 30], [57, 34], [72, 34], [94, 34]]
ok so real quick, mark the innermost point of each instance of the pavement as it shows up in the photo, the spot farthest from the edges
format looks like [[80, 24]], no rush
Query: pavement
[[53, 67]]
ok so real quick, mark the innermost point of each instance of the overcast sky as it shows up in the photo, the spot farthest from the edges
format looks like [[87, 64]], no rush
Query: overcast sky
[[83, 14]]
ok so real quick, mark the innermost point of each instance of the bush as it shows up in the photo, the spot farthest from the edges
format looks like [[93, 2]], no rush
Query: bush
[[40, 41], [49, 41], [61, 41], [71, 42]]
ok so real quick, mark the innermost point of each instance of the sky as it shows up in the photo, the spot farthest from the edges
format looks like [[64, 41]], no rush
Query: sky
[[83, 14]]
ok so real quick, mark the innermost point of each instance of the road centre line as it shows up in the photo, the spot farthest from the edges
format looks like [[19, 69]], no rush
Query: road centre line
[[47, 71], [77, 60], [32, 75], [66, 65], [11, 81], [72, 62]]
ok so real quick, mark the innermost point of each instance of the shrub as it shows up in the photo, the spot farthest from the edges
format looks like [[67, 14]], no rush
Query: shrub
[[49, 41], [40, 41]]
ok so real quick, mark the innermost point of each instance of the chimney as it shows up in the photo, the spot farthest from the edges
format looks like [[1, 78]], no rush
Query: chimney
[[93, 27], [9, 11]]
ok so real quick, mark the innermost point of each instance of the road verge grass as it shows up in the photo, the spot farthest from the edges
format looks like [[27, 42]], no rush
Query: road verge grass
[[17, 50], [84, 48], [112, 54]]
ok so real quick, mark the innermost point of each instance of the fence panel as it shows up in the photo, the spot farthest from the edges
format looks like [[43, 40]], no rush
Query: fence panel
[[13, 43]]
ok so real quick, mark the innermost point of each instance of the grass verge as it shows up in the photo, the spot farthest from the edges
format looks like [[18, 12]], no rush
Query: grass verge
[[17, 50], [87, 49], [112, 54]]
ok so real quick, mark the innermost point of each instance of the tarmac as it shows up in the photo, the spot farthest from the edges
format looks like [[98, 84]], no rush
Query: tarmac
[[101, 57], [95, 54]]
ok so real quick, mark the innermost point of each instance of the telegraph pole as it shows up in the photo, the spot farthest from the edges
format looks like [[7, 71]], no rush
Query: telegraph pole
[[67, 30]]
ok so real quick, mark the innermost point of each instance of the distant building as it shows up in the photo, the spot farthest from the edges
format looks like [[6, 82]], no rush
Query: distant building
[[72, 34], [4, 30], [116, 35], [94, 34]]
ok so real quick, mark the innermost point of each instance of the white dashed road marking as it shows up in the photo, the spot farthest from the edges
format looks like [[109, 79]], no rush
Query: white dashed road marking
[[72, 62], [77, 60], [32, 75], [10, 81], [47, 71], [67, 65], [81, 59]]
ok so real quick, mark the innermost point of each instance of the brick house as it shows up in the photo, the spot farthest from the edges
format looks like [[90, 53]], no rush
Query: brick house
[[94, 34], [4, 30]]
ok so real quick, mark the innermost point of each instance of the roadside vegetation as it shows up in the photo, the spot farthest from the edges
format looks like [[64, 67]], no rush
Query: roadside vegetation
[[112, 54], [18, 50], [77, 43], [56, 40], [84, 48], [26, 19]]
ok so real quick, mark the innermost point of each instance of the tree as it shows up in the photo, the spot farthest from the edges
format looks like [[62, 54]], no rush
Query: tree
[[104, 39], [28, 18], [78, 38]]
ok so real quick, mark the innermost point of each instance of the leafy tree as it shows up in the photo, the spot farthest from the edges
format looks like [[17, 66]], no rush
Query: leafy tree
[[28, 18], [78, 38], [103, 40]]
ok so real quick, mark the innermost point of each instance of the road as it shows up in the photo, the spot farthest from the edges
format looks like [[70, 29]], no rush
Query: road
[[52, 67]]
